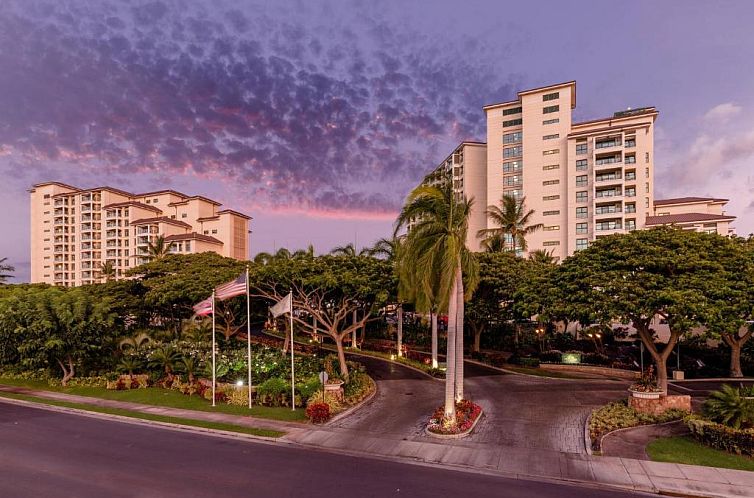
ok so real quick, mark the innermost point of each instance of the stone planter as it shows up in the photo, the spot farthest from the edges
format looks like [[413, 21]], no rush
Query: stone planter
[[645, 394], [334, 388]]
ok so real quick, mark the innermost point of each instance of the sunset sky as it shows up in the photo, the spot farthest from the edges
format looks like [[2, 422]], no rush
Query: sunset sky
[[316, 118]]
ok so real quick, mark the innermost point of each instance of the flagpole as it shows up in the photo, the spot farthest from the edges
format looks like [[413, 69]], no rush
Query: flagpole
[[293, 374], [214, 369], [248, 330]]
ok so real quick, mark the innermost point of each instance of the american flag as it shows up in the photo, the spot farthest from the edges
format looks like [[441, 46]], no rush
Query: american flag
[[203, 308], [232, 289]]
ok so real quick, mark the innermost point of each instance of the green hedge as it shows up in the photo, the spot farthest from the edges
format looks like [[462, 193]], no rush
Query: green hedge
[[721, 437]]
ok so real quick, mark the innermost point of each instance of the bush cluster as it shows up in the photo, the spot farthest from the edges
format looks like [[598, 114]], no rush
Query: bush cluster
[[618, 415], [318, 413], [721, 437]]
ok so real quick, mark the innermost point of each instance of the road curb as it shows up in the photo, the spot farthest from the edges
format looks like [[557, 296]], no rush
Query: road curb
[[351, 410], [460, 435]]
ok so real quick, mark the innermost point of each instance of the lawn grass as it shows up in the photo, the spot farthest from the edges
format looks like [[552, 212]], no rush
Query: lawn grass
[[164, 397], [148, 416], [684, 449]]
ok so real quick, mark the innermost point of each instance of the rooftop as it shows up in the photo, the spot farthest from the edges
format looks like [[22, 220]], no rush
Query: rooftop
[[687, 200], [571, 84], [192, 236], [161, 219], [670, 219]]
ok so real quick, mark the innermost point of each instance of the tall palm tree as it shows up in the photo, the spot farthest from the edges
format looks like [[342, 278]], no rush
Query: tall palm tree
[[386, 248], [542, 256], [436, 247], [107, 270], [513, 222], [265, 258], [349, 250], [159, 248], [165, 358], [6, 270], [307, 253]]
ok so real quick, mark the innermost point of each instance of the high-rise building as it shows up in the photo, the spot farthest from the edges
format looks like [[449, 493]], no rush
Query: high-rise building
[[582, 179], [75, 231], [467, 166]]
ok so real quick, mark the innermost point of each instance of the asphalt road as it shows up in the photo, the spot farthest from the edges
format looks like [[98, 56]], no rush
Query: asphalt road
[[52, 454]]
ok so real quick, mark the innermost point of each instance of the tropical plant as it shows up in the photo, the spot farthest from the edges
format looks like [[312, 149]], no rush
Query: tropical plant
[[135, 343], [128, 364], [349, 250], [6, 270], [730, 406], [107, 269], [188, 366], [221, 369], [435, 247], [198, 330], [542, 256], [158, 249], [513, 224], [165, 358], [305, 253], [386, 248]]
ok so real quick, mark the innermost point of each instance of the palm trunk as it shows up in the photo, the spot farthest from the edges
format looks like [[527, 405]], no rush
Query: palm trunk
[[433, 318], [450, 357], [399, 315], [459, 332]]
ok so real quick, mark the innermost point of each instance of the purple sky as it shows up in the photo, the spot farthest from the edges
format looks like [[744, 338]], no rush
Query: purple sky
[[316, 118]]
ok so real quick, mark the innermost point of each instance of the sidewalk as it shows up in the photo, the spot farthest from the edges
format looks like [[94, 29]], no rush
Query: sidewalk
[[686, 480]]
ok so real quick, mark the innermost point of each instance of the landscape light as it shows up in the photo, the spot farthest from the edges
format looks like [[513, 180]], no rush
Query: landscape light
[[239, 383]]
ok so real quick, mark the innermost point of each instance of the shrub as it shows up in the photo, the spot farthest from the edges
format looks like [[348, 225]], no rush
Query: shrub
[[330, 399], [358, 387], [551, 356], [82, 382], [318, 413], [729, 406], [273, 390], [595, 359], [618, 415], [721, 437], [235, 395], [308, 387], [524, 361]]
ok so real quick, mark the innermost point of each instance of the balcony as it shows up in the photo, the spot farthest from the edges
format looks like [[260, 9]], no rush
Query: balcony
[[609, 177], [630, 209], [631, 176], [605, 160], [608, 209], [608, 226], [608, 143], [630, 143], [613, 192]]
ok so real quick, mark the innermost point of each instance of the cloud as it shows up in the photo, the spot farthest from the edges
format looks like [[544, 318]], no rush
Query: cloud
[[722, 112], [299, 115]]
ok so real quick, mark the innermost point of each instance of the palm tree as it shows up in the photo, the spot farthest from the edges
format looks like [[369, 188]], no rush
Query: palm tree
[[198, 331], [135, 342], [108, 270], [349, 250], [542, 256], [165, 358], [159, 248], [128, 364], [513, 223], [189, 366], [6, 270], [436, 247], [730, 407], [307, 253], [386, 248]]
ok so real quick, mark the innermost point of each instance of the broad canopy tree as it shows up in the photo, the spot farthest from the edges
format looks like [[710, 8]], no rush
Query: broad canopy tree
[[329, 289], [637, 277]]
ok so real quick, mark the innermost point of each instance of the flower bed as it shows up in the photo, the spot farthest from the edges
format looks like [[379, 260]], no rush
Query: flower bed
[[618, 415], [467, 414], [721, 437]]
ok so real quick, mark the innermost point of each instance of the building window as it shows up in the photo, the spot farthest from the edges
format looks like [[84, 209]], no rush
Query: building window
[[582, 165], [646, 157], [630, 142], [512, 181], [582, 196], [154, 201], [646, 172], [550, 96], [148, 202], [550, 121], [630, 224], [46, 196], [510, 138], [646, 202], [550, 109], [550, 152], [582, 180], [582, 212], [551, 228], [582, 244], [550, 213], [581, 148], [512, 110], [187, 246], [630, 207], [630, 192], [512, 122], [550, 197], [549, 243], [582, 227], [550, 167], [514, 193], [512, 151], [630, 159], [184, 215], [206, 232], [214, 231], [550, 182], [512, 166]]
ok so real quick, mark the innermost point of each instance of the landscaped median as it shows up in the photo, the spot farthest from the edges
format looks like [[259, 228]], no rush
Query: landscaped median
[[618, 415], [468, 415], [220, 426]]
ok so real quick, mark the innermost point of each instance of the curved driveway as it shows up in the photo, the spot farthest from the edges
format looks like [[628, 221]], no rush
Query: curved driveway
[[520, 411]]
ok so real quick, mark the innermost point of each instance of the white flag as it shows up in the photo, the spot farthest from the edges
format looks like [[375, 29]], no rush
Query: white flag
[[285, 305]]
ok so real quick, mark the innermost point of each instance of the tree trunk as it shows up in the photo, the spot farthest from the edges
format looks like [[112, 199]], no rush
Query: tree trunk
[[450, 357], [399, 316], [287, 340], [735, 360], [341, 356], [67, 373], [477, 338], [353, 337], [459, 332], [433, 318]]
